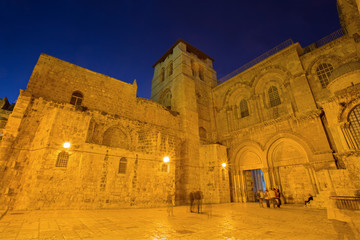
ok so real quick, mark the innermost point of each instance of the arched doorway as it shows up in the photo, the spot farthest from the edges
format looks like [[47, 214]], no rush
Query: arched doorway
[[289, 170], [248, 176]]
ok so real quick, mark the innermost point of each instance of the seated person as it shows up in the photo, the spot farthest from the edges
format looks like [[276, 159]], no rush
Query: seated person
[[309, 199]]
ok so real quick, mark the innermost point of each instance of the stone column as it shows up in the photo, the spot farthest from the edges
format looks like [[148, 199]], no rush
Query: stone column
[[313, 183], [242, 180], [266, 177]]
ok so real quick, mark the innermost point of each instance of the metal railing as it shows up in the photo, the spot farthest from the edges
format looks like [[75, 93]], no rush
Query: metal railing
[[329, 38], [346, 202], [269, 53]]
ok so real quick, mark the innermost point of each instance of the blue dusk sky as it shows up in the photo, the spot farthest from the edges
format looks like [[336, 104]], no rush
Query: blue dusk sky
[[124, 38]]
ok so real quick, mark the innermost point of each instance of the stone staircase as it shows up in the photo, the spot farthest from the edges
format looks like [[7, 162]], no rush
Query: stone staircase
[[320, 200]]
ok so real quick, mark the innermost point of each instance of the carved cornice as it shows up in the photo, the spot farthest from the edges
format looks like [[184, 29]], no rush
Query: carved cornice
[[291, 117]]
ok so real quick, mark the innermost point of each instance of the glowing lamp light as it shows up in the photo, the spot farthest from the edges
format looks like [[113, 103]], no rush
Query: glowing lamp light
[[66, 145], [166, 159], [223, 164]]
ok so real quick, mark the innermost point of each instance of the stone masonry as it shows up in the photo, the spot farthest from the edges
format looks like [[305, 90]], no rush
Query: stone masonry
[[290, 121]]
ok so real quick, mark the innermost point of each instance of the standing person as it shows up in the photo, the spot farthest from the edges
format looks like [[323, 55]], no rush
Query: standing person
[[266, 196], [272, 197], [277, 197], [199, 196], [170, 204], [192, 198]]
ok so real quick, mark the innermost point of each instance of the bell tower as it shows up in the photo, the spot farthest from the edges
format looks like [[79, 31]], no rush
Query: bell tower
[[349, 15], [182, 82]]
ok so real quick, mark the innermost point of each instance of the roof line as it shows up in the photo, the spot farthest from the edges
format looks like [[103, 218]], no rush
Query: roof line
[[189, 48]]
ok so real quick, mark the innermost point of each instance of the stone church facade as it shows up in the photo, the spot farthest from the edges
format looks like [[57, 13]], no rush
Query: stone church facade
[[289, 119]]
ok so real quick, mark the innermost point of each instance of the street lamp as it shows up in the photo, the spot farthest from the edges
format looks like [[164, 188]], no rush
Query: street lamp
[[166, 159], [223, 165], [66, 145]]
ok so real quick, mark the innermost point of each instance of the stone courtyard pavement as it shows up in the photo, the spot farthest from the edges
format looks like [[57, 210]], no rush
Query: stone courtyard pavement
[[226, 221]]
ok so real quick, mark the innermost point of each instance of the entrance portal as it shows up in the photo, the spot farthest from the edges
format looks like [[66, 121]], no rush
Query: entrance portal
[[254, 181]]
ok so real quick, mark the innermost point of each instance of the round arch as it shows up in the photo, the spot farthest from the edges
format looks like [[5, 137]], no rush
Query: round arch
[[116, 136]]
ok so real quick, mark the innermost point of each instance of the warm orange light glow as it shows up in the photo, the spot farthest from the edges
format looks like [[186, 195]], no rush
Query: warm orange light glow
[[166, 159], [223, 164], [66, 145]]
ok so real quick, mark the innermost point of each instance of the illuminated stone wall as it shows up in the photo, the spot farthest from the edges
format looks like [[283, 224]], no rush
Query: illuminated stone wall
[[301, 140], [293, 141], [39, 126]]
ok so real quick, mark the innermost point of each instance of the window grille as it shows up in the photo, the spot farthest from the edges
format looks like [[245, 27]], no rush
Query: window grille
[[324, 71], [274, 96], [76, 98], [164, 167], [354, 120], [62, 159], [244, 108], [162, 74], [122, 165]]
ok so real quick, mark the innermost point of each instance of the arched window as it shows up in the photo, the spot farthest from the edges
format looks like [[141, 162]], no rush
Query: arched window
[[324, 71], [115, 137], [193, 71], [76, 98], [201, 73], [165, 98], [162, 74], [202, 132], [170, 68], [62, 159], [244, 110], [122, 165], [354, 126], [274, 96]]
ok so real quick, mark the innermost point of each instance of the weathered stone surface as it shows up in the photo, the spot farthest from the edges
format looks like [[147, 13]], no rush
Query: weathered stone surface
[[283, 123]]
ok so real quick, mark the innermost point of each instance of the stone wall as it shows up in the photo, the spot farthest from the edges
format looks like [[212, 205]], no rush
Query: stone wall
[[32, 179]]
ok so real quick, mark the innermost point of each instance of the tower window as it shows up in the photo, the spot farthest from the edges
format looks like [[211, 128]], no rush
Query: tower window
[[62, 159], [122, 165], [201, 73], [323, 72], [274, 96], [244, 110], [170, 69], [76, 98], [162, 74], [202, 132], [354, 120]]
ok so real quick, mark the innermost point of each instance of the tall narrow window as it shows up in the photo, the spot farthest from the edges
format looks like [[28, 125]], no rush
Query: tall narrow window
[[324, 71], [162, 74], [354, 120], [122, 165], [62, 159], [201, 73], [274, 96], [244, 108], [193, 71], [202, 132], [76, 98], [170, 69]]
